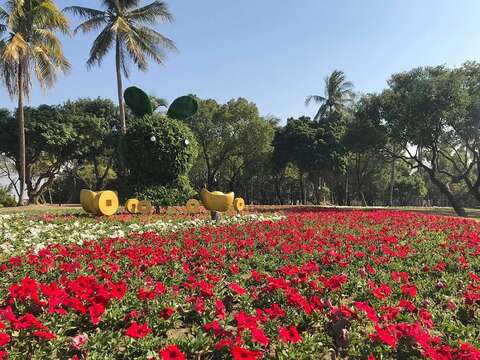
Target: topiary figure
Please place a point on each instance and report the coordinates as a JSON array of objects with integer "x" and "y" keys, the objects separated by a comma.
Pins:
[{"x": 158, "y": 149}]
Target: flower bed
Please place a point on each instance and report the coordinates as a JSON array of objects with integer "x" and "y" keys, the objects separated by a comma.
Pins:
[
  {"x": 19, "y": 233},
  {"x": 322, "y": 285}
]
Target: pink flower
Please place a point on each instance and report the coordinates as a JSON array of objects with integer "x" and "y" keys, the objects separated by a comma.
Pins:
[{"x": 79, "y": 340}]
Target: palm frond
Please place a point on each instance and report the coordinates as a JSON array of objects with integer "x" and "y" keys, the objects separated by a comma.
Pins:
[
  {"x": 101, "y": 45},
  {"x": 153, "y": 39},
  {"x": 48, "y": 15},
  {"x": 84, "y": 12},
  {"x": 3, "y": 15},
  {"x": 316, "y": 98},
  {"x": 134, "y": 48},
  {"x": 151, "y": 13},
  {"x": 91, "y": 24}
]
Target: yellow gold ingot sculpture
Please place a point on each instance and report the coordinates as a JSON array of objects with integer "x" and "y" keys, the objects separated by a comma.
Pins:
[
  {"x": 145, "y": 207},
  {"x": 101, "y": 203},
  {"x": 192, "y": 205},
  {"x": 132, "y": 206},
  {"x": 86, "y": 199},
  {"x": 239, "y": 204},
  {"x": 106, "y": 203},
  {"x": 216, "y": 200}
]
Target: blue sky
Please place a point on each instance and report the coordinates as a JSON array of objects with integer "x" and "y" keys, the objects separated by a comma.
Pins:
[{"x": 276, "y": 52}]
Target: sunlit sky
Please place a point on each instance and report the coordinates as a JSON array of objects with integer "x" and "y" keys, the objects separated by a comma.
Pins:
[{"x": 275, "y": 53}]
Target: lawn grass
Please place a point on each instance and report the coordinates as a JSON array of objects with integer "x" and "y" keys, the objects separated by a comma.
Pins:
[{"x": 473, "y": 213}]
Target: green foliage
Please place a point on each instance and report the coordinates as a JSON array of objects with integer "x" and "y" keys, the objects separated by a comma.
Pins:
[
  {"x": 138, "y": 101},
  {"x": 232, "y": 137},
  {"x": 163, "y": 196},
  {"x": 183, "y": 107},
  {"x": 77, "y": 133},
  {"x": 158, "y": 150},
  {"x": 312, "y": 145},
  {"x": 6, "y": 198}
]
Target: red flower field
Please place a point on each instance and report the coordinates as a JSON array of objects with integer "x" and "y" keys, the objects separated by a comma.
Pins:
[{"x": 318, "y": 284}]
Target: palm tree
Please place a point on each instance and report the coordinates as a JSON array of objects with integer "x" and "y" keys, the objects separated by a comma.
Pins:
[
  {"x": 124, "y": 26},
  {"x": 28, "y": 44},
  {"x": 338, "y": 95}
]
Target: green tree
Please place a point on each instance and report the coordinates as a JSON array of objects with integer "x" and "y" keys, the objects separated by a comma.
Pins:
[
  {"x": 124, "y": 26},
  {"x": 338, "y": 95},
  {"x": 55, "y": 137},
  {"x": 364, "y": 140},
  {"x": 229, "y": 135},
  {"x": 96, "y": 162},
  {"x": 419, "y": 110},
  {"x": 30, "y": 46}
]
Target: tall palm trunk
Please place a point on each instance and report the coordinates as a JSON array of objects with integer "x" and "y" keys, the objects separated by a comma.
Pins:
[
  {"x": 21, "y": 134},
  {"x": 123, "y": 123}
]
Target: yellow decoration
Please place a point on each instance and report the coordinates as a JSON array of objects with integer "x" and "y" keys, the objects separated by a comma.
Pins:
[
  {"x": 239, "y": 204},
  {"x": 216, "y": 200},
  {"x": 106, "y": 203},
  {"x": 192, "y": 206},
  {"x": 132, "y": 206},
  {"x": 86, "y": 199},
  {"x": 145, "y": 207}
]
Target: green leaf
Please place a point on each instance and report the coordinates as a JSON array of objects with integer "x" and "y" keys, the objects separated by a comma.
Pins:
[
  {"x": 183, "y": 107},
  {"x": 138, "y": 101}
]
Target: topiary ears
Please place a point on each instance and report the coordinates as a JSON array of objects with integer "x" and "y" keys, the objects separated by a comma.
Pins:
[
  {"x": 138, "y": 101},
  {"x": 183, "y": 107}
]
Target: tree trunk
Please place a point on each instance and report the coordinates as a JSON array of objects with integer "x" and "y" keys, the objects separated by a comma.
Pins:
[
  {"x": 347, "y": 201},
  {"x": 302, "y": 189},
  {"x": 277, "y": 191},
  {"x": 121, "y": 105},
  {"x": 21, "y": 134},
  {"x": 392, "y": 181},
  {"x": 448, "y": 194}
]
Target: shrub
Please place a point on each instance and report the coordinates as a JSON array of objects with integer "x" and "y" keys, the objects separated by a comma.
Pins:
[
  {"x": 158, "y": 150},
  {"x": 163, "y": 196},
  {"x": 6, "y": 199}
]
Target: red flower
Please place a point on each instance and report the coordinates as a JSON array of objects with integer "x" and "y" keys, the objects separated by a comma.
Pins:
[
  {"x": 167, "y": 313},
  {"x": 389, "y": 335},
  {"x": 289, "y": 335},
  {"x": 409, "y": 290},
  {"x": 368, "y": 310},
  {"x": 96, "y": 311},
  {"x": 172, "y": 352},
  {"x": 119, "y": 290},
  {"x": 4, "y": 339},
  {"x": 259, "y": 336},
  {"x": 237, "y": 289},
  {"x": 220, "y": 309},
  {"x": 239, "y": 353},
  {"x": 47, "y": 335},
  {"x": 381, "y": 292},
  {"x": 137, "y": 331}
]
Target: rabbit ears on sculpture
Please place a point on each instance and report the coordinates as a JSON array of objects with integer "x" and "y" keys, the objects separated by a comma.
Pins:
[{"x": 139, "y": 102}]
